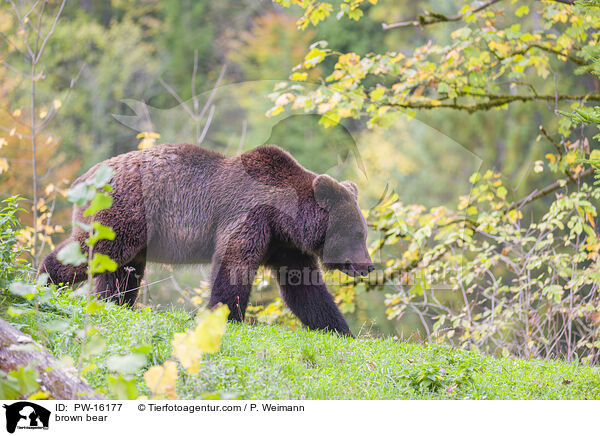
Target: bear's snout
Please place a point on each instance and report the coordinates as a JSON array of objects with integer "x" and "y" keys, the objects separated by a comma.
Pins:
[
  {"x": 352, "y": 268},
  {"x": 361, "y": 269}
]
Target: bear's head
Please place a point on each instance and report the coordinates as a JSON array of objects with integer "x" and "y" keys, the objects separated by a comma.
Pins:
[{"x": 344, "y": 243}]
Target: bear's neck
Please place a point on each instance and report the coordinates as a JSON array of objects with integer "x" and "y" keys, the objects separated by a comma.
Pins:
[{"x": 306, "y": 230}]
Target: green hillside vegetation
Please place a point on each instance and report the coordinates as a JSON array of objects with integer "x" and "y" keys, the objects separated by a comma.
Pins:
[{"x": 271, "y": 362}]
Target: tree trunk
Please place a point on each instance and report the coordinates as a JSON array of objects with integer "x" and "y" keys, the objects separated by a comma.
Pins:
[{"x": 19, "y": 349}]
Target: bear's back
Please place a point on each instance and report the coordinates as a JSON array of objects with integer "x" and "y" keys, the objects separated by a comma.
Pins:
[{"x": 275, "y": 167}]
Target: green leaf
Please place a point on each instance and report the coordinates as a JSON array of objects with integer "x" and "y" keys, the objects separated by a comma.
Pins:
[
  {"x": 56, "y": 325},
  {"x": 82, "y": 291},
  {"x": 377, "y": 93},
  {"x": 85, "y": 227},
  {"x": 70, "y": 254},
  {"x": 462, "y": 33},
  {"x": 126, "y": 365},
  {"x": 554, "y": 292},
  {"x": 475, "y": 178},
  {"x": 103, "y": 175},
  {"x": 15, "y": 312},
  {"x": 100, "y": 232},
  {"x": 94, "y": 306},
  {"x": 23, "y": 290},
  {"x": 122, "y": 388},
  {"x": 9, "y": 388},
  {"x": 102, "y": 263},
  {"x": 101, "y": 201},
  {"x": 42, "y": 279},
  {"x": 143, "y": 348},
  {"x": 472, "y": 210},
  {"x": 80, "y": 194},
  {"x": 94, "y": 345},
  {"x": 26, "y": 378},
  {"x": 87, "y": 368},
  {"x": 502, "y": 192},
  {"x": 329, "y": 119}
]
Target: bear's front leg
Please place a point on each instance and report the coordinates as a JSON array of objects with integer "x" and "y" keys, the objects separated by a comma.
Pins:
[
  {"x": 303, "y": 289},
  {"x": 235, "y": 262}
]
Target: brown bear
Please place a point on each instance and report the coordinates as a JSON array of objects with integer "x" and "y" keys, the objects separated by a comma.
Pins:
[{"x": 182, "y": 204}]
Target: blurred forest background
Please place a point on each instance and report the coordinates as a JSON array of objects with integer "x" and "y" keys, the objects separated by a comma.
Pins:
[{"x": 92, "y": 79}]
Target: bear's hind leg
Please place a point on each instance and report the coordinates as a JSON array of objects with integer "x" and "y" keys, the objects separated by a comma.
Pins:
[
  {"x": 122, "y": 285},
  {"x": 303, "y": 290},
  {"x": 63, "y": 273},
  {"x": 235, "y": 263}
]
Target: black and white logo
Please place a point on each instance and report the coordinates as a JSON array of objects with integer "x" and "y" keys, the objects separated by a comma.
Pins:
[{"x": 26, "y": 415}]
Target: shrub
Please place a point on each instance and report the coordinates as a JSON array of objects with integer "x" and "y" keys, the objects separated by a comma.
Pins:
[{"x": 10, "y": 267}]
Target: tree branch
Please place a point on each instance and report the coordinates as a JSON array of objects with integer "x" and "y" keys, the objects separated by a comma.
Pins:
[
  {"x": 50, "y": 32},
  {"x": 428, "y": 17},
  {"x": 535, "y": 195},
  {"x": 494, "y": 101}
]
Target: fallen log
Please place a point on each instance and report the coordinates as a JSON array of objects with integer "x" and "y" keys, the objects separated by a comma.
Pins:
[{"x": 18, "y": 349}]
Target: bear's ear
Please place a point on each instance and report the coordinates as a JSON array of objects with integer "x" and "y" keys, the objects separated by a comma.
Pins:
[
  {"x": 351, "y": 187},
  {"x": 327, "y": 189}
]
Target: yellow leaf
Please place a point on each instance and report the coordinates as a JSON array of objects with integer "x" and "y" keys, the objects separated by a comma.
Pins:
[
  {"x": 515, "y": 214},
  {"x": 284, "y": 99},
  {"x": 39, "y": 395},
  {"x": 206, "y": 337},
  {"x": 148, "y": 139},
  {"x": 523, "y": 10},
  {"x": 274, "y": 111},
  {"x": 210, "y": 329},
  {"x": 146, "y": 143},
  {"x": 3, "y": 165},
  {"x": 299, "y": 77},
  {"x": 43, "y": 113},
  {"x": 570, "y": 158},
  {"x": 16, "y": 113},
  {"x": 347, "y": 58},
  {"x": 161, "y": 379},
  {"x": 3, "y": 142},
  {"x": 186, "y": 352},
  {"x": 345, "y": 112},
  {"x": 153, "y": 135},
  {"x": 313, "y": 57},
  {"x": 56, "y": 103}
]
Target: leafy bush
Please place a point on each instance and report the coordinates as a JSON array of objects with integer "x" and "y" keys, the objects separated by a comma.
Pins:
[
  {"x": 528, "y": 288},
  {"x": 10, "y": 267}
]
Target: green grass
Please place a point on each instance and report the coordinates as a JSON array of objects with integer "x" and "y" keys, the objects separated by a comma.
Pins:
[{"x": 270, "y": 362}]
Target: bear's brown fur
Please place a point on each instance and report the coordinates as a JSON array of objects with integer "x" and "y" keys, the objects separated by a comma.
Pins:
[{"x": 184, "y": 204}]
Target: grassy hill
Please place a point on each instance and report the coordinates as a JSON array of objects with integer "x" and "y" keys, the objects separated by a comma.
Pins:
[{"x": 269, "y": 362}]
